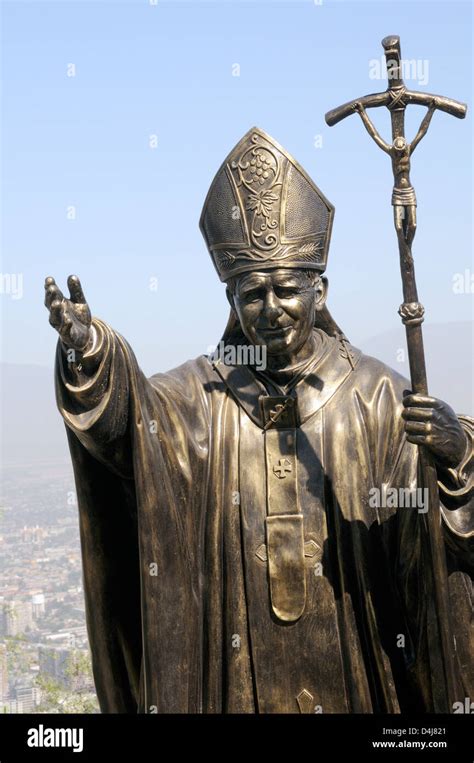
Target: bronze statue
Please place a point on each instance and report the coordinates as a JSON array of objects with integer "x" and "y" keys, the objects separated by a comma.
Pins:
[{"x": 240, "y": 552}]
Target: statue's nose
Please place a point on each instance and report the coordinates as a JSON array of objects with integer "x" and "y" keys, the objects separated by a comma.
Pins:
[{"x": 272, "y": 309}]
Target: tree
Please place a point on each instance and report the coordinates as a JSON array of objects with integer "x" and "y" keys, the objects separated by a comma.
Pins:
[{"x": 72, "y": 695}]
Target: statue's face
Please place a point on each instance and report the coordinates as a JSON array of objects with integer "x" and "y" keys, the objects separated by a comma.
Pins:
[{"x": 276, "y": 308}]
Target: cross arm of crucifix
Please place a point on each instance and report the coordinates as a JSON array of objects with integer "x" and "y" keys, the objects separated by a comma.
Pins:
[
  {"x": 396, "y": 98},
  {"x": 404, "y": 98}
]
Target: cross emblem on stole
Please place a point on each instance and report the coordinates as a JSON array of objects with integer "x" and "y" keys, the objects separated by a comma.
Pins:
[{"x": 282, "y": 467}]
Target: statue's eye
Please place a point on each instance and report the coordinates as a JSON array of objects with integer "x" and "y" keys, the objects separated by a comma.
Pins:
[
  {"x": 286, "y": 292},
  {"x": 251, "y": 296}
]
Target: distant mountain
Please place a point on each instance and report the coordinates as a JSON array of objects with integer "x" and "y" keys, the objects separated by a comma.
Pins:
[
  {"x": 449, "y": 359},
  {"x": 33, "y": 431}
]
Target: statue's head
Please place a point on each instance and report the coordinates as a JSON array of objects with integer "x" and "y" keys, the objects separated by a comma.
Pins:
[
  {"x": 277, "y": 308},
  {"x": 267, "y": 227}
]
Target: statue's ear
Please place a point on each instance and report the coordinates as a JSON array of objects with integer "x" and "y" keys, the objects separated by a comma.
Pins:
[
  {"x": 321, "y": 288},
  {"x": 323, "y": 318}
]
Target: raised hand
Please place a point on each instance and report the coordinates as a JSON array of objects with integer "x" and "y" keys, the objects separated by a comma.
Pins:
[{"x": 70, "y": 317}]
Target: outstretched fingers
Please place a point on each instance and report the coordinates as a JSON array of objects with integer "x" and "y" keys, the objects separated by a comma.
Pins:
[
  {"x": 56, "y": 312},
  {"x": 52, "y": 292},
  {"x": 75, "y": 290}
]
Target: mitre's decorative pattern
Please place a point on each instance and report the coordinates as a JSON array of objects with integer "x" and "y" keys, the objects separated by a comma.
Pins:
[{"x": 263, "y": 211}]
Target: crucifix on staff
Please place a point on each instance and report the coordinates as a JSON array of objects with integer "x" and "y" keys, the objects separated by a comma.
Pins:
[
  {"x": 400, "y": 151},
  {"x": 396, "y": 98}
]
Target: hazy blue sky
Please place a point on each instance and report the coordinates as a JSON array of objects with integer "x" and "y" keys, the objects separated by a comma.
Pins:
[{"x": 166, "y": 69}]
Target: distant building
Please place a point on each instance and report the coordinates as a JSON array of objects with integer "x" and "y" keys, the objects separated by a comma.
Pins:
[
  {"x": 61, "y": 664},
  {"x": 3, "y": 673},
  {"x": 29, "y": 697},
  {"x": 38, "y": 605},
  {"x": 12, "y": 706},
  {"x": 58, "y": 663},
  {"x": 32, "y": 534},
  {"x": 55, "y": 663},
  {"x": 17, "y": 617},
  {"x": 63, "y": 639}
]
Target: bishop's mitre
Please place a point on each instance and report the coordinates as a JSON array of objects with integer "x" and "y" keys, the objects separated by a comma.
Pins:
[{"x": 263, "y": 211}]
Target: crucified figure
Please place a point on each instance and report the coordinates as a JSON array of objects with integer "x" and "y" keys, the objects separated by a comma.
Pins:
[{"x": 400, "y": 151}]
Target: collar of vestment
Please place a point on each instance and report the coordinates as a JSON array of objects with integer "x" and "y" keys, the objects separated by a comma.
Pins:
[{"x": 334, "y": 361}]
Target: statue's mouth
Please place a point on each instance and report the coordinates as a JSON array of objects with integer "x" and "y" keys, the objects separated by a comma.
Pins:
[{"x": 276, "y": 330}]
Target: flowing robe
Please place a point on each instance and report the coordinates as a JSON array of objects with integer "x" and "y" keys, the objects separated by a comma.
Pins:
[{"x": 172, "y": 486}]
